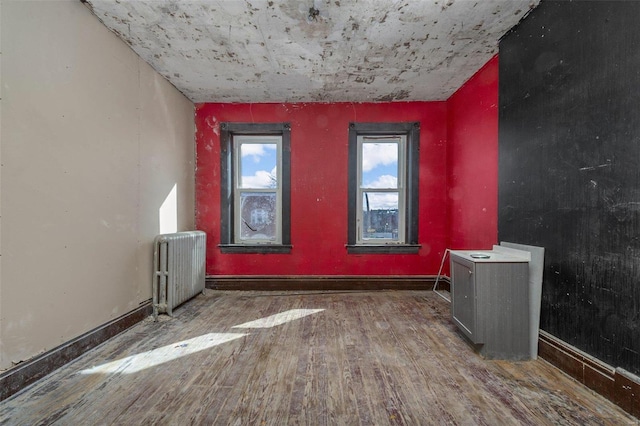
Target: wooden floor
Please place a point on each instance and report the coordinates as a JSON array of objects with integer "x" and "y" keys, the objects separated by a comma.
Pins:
[{"x": 247, "y": 358}]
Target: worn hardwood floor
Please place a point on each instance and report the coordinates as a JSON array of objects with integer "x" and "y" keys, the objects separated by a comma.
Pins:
[{"x": 342, "y": 358}]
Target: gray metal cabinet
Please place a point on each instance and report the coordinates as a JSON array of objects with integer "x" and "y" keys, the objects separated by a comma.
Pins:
[{"x": 490, "y": 303}]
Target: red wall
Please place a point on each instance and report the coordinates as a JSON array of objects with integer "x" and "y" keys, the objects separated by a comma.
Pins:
[
  {"x": 319, "y": 141},
  {"x": 472, "y": 161},
  {"x": 458, "y": 180}
]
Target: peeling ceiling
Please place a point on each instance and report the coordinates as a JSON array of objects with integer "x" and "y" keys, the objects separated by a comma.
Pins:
[{"x": 313, "y": 51}]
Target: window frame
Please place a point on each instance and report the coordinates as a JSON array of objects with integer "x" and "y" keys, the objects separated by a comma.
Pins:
[
  {"x": 399, "y": 189},
  {"x": 238, "y": 142},
  {"x": 230, "y": 242},
  {"x": 408, "y": 175}
]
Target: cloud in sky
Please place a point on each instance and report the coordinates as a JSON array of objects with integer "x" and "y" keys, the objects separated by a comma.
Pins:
[
  {"x": 382, "y": 201},
  {"x": 383, "y": 181},
  {"x": 375, "y": 154},
  {"x": 261, "y": 179},
  {"x": 256, "y": 150}
]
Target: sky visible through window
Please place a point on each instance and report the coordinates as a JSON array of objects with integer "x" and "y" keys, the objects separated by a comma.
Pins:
[
  {"x": 258, "y": 165},
  {"x": 380, "y": 170}
]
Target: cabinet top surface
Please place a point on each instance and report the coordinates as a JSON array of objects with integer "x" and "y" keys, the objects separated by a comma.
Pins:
[{"x": 489, "y": 256}]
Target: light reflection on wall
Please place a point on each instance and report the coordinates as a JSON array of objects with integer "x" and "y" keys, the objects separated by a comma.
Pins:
[{"x": 168, "y": 213}]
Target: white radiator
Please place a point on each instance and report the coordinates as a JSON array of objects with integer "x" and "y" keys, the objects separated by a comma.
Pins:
[{"x": 178, "y": 269}]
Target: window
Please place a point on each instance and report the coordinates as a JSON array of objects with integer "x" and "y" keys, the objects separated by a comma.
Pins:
[
  {"x": 254, "y": 185},
  {"x": 383, "y": 187}
]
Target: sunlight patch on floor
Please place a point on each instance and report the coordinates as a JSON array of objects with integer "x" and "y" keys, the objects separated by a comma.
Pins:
[
  {"x": 279, "y": 319},
  {"x": 155, "y": 357}
]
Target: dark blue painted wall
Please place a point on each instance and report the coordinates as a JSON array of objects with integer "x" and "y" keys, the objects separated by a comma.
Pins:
[{"x": 569, "y": 167}]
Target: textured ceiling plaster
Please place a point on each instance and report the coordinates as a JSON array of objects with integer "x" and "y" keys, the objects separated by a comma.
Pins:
[{"x": 356, "y": 51}]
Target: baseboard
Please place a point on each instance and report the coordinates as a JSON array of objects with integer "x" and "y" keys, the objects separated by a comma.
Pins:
[
  {"x": 324, "y": 283},
  {"x": 26, "y": 373},
  {"x": 615, "y": 384}
]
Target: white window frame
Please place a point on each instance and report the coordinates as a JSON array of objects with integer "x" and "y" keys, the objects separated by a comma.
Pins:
[
  {"x": 401, "y": 141},
  {"x": 238, "y": 141}
]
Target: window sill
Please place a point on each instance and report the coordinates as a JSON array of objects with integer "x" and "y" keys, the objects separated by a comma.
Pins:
[
  {"x": 255, "y": 248},
  {"x": 383, "y": 249}
]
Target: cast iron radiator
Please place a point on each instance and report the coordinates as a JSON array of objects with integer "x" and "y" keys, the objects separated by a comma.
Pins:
[{"x": 178, "y": 269}]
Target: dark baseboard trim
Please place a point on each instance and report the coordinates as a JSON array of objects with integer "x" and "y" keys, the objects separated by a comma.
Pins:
[
  {"x": 26, "y": 373},
  {"x": 616, "y": 384},
  {"x": 324, "y": 283}
]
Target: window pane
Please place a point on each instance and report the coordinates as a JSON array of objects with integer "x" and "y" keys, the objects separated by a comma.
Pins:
[
  {"x": 258, "y": 216},
  {"x": 379, "y": 165},
  {"x": 258, "y": 165},
  {"x": 380, "y": 215}
]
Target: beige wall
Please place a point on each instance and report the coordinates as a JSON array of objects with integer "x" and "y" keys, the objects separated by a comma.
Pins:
[{"x": 92, "y": 142}]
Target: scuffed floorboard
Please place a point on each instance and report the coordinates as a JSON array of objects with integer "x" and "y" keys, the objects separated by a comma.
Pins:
[{"x": 342, "y": 358}]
